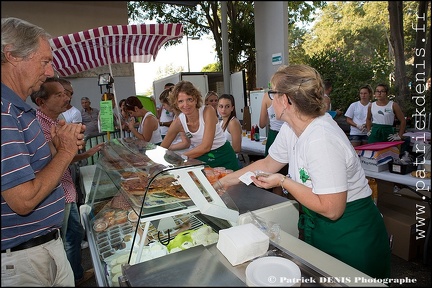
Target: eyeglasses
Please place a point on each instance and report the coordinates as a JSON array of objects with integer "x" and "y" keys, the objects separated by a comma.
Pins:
[
  {"x": 271, "y": 94},
  {"x": 70, "y": 92},
  {"x": 380, "y": 91}
]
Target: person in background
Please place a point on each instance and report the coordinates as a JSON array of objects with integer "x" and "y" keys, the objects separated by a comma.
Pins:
[
  {"x": 148, "y": 129},
  {"x": 72, "y": 114},
  {"x": 212, "y": 99},
  {"x": 200, "y": 124},
  {"x": 339, "y": 216},
  {"x": 125, "y": 118},
  {"x": 89, "y": 117},
  {"x": 356, "y": 117},
  {"x": 181, "y": 143},
  {"x": 229, "y": 123},
  {"x": 381, "y": 115},
  {"x": 328, "y": 87},
  {"x": 268, "y": 117},
  {"x": 52, "y": 100},
  {"x": 165, "y": 116},
  {"x": 32, "y": 198}
]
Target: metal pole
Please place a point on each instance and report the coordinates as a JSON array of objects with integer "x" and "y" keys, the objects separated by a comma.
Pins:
[{"x": 187, "y": 50}]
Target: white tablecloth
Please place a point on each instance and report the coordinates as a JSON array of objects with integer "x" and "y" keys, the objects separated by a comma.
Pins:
[
  {"x": 253, "y": 147},
  {"x": 406, "y": 179}
]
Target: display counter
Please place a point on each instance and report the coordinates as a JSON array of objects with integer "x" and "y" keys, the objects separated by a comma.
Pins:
[{"x": 206, "y": 266}]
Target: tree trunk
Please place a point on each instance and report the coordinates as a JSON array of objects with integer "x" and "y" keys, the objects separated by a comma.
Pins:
[{"x": 395, "y": 9}]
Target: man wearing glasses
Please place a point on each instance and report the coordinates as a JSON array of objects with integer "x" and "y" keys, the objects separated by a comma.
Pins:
[
  {"x": 381, "y": 116},
  {"x": 72, "y": 114}
]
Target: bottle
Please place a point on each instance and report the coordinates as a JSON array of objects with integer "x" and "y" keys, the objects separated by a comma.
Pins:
[
  {"x": 257, "y": 133},
  {"x": 252, "y": 133}
]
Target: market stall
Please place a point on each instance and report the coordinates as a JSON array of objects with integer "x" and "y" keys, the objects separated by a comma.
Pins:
[{"x": 135, "y": 227}]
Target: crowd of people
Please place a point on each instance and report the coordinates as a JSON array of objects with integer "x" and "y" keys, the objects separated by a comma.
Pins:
[{"x": 39, "y": 197}]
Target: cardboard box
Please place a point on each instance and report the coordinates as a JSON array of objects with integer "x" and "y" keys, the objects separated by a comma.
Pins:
[
  {"x": 372, "y": 164},
  {"x": 407, "y": 220}
]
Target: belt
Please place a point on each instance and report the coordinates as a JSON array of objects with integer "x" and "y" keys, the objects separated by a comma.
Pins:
[{"x": 35, "y": 241}]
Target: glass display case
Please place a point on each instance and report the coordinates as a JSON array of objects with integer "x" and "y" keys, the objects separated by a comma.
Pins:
[{"x": 146, "y": 202}]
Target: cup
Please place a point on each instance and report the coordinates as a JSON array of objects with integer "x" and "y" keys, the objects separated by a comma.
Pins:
[
  {"x": 244, "y": 133},
  {"x": 212, "y": 176}
]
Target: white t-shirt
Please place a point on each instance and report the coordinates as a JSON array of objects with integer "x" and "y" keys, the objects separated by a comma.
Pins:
[
  {"x": 72, "y": 115},
  {"x": 358, "y": 113},
  {"x": 156, "y": 136},
  {"x": 165, "y": 116},
  {"x": 324, "y": 153},
  {"x": 383, "y": 115},
  {"x": 275, "y": 124},
  {"x": 196, "y": 137}
]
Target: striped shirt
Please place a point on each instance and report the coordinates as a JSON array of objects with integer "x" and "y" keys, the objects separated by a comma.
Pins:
[
  {"x": 66, "y": 179},
  {"x": 24, "y": 152}
]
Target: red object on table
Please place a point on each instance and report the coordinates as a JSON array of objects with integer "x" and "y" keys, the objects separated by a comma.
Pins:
[{"x": 378, "y": 145}]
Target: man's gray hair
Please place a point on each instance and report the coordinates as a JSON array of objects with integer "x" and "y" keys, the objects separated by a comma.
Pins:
[{"x": 20, "y": 37}]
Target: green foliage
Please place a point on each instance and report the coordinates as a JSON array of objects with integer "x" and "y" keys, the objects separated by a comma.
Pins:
[{"x": 347, "y": 74}]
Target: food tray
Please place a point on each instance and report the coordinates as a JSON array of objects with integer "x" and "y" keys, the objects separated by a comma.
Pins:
[{"x": 115, "y": 239}]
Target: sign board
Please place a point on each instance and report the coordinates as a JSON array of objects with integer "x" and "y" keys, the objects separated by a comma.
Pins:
[
  {"x": 106, "y": 116},
  {"x": 277, "y": 59}
]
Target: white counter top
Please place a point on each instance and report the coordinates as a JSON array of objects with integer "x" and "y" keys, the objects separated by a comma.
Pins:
[{"x": 406, "y": 179}]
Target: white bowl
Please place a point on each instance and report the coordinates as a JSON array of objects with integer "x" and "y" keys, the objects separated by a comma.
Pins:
[{"x": 273, "y": 271}]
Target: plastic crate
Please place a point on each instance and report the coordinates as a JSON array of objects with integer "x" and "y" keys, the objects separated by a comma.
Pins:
[{"x": 401, "y": 168}]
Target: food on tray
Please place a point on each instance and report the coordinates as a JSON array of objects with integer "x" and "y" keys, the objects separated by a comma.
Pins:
[
  {"x": 100, "y": 225},
  {"x": 421, "y": 174},
  {"x": 119, "y": 202},
  {"x": 134, "y": 174},
  {"x": 132, "y": 216},
  {"x": 176, "y": 191},
  {"x": 121, "y": 216}
]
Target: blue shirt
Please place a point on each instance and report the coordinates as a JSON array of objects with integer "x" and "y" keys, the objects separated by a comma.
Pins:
[{"x": 24, "y": 152}]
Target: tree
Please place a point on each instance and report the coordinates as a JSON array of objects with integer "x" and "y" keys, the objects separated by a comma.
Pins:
[
  {"x": 395, "y": 9},
  {"x": 204, "y": 18}
]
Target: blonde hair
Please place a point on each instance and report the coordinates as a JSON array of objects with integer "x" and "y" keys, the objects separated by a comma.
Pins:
[{"x": 304, "y": 86}]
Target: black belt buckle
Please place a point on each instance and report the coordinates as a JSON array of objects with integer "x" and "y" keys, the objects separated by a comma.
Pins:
[{"x": 55, "y": 234}]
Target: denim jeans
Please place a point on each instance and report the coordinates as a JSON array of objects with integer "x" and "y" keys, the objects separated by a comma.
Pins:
[{"x": 73, "y": 238}]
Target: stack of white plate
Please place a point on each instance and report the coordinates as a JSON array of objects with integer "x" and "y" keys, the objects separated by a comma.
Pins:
[{"x": 273, "y": 271}]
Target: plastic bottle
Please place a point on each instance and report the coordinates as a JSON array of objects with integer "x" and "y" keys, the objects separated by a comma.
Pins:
[
  {"x": 257, "y": 133},
  {"x": 252, "y": 133}
]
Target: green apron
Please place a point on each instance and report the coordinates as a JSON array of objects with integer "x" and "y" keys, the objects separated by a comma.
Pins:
[
  {"x": 270, "y": 139},
  {"x": 380, "y": 133},
  {"x": 223, "y": 156},
  {"x": 359, "y": 238}
]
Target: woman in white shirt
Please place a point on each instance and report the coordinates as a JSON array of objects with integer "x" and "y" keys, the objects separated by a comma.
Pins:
[
  {"x": 148, "y": 129},
  {"x": 325, "y": 175},
  {"x": 200, "y": 123}
]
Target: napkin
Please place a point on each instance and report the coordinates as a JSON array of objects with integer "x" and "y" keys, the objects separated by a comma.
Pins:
[{"x": 242, "y": 243}]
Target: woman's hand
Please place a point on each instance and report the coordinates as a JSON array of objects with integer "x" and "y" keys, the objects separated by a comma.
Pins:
[{"x": 267, "y": 181}]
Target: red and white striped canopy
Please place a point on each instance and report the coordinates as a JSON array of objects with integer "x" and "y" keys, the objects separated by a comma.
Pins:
[{"x": 85, "y": 50}]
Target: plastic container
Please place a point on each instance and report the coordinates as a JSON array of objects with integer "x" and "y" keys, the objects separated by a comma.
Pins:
[{"x": 401, "y": 168}]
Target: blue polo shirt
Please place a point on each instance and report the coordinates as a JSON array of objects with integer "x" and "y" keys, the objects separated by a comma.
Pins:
[{"x": 24, "y": 152}]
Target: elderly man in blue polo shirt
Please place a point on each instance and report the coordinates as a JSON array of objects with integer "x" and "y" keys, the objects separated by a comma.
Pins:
[{"x": 32, "y": 199}]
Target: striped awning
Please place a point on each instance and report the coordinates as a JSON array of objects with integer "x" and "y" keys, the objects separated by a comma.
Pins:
[{"x": 85, "y": 50}]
